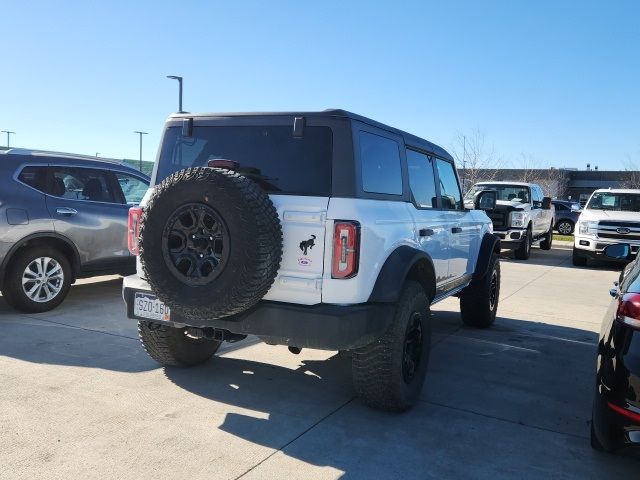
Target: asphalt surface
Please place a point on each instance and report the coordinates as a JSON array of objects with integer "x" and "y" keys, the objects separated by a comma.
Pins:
[{"x": 80, "y": 399}]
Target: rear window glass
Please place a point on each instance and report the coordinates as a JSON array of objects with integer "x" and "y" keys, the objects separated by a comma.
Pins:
[
  {"x": 281, "y": 162},
  {"x": 35, "y": 177},
  {"x": 380, "y": 159}
]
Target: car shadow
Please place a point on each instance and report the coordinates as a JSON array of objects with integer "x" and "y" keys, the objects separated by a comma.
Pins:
[
  {"x": 521, "y": 388},
  {"x": 89, "y": 329}
]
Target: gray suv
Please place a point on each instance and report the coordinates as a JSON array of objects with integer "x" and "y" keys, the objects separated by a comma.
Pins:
[{"x": 62, "y": 217}]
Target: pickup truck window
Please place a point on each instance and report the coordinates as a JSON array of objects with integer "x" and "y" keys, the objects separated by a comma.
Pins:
[
  {"x": 626, "y": 202},
  {"x": 508, "y": 193}
]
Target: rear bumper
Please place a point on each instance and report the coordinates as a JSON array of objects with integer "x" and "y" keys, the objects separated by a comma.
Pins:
[{"x": 322, "y": 326}]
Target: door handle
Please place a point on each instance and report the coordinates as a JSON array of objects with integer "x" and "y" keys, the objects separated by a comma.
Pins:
[
  {"x": 425, "y": 232},
  {"x": 66, "y": 211},
  {"x": 456, "y": 230}
]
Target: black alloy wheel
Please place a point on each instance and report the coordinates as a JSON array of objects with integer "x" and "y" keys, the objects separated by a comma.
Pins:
[{"x": 195, "y": 244}]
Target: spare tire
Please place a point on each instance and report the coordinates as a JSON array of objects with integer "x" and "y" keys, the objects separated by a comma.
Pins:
[{"x": 210, "y": 243}]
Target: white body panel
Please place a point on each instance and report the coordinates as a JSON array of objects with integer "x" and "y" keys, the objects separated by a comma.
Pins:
[
  {"x": 305, "y": 277},
  {"x": 299, "y": 279}
]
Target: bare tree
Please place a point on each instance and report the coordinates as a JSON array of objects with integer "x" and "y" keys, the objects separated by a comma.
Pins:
[
  {"x": 527, "y": 167},
  {"x": 553, "y": 181},
  {"x": 632, "y": 176},
  {"x": 475, "y": 159}
]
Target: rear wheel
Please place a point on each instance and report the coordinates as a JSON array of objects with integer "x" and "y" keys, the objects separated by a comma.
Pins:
[
  {"x": 479, "y": 301},
  {"x": 37, "y": 280},
  {"x": 565, "y": 227},
  {"x": 545, "y": 244},
  {"x": 174, "y": 346},
  {"x": 524, "y": 249},
  {"x": 579, "y": 260},
  {"x": 388, "y": 374}
]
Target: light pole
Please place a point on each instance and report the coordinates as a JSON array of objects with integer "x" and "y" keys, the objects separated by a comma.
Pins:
[
  {"x": 8, "y": 132},
  {"x": 179, "y": 79},
  {"x": 140, "y": 133}
]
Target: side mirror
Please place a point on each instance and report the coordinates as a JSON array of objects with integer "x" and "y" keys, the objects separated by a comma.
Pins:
[
  {"x": 486, "y": 200},
  {"x": 618, "y": 251},
  {"x": 546, "y": 203}
]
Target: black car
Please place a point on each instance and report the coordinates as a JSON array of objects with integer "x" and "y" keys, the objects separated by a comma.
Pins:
[{"x": 616, "y": 409}]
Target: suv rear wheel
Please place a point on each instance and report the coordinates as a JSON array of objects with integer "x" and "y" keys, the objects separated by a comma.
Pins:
[
  {"x": 479, "y": 301},
  {"x": 173, "y": 346},
  {"x": 37, "y": 280},
  {"x": 388, "y": 374}
]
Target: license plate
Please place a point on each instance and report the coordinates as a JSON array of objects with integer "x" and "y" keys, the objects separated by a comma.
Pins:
[{"x": 147, "y": 305}]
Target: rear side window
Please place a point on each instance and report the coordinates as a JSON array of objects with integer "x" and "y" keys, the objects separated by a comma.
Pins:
[
  {"x": 81, "y": 184},
  {"x": 380, "y": 161},
  {"x": 449, "y": 188},
  {"x": 278, "y": 161},
  {"x": 35, "y": 177},
  {"x": 421, "y": 181}
]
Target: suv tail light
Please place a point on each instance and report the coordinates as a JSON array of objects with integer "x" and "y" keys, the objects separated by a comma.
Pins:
[
  {"x": 629, "y": 310},
  {"x": 133, "y": 229},
  {"x": 346, "y": 246}
]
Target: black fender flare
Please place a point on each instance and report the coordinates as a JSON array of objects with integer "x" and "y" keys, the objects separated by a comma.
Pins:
[
  {"x": 75, "y": 261},
  {"x": 490, "y": 245},
  {"x": 394, "y": 272}
]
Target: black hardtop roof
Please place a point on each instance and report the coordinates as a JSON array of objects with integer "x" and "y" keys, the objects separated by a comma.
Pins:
[{"x": 410, "y": 139}]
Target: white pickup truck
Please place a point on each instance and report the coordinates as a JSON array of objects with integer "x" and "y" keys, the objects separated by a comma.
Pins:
[
  {"x": 611, "y": 216},
  {"x": 522, "y": 216}
]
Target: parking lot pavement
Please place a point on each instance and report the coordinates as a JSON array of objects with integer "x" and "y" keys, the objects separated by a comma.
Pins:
[{"x": 81, "y": 399}]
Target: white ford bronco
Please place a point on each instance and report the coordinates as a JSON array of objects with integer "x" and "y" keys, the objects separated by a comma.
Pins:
[
  {"x": 321, "y": 230},
  {"x": 611, "y": 216},
  {"x": 521, "y": 217}
]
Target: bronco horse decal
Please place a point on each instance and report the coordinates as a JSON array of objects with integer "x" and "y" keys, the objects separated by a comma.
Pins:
[{"x": 307, "y": 244}]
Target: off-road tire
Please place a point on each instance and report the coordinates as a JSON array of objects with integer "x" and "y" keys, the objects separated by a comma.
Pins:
[
  {"x": 12, "y": 290},
  {"x": 378, "y": 375},
  {"x": 546, "y": 243},
  {"x": 250, "y": 222},
  {"x": 524, "y": 249},
  {"x": 578, "y": 259},
  {"x": 172, "y": 347},
  {"x": 479, "y": 301},
  {"x": 566, "y": 225}
]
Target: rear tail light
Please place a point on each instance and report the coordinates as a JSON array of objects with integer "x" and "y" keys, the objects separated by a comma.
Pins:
[
  {"x": 133, "y": 229},
  {"x": 629, "y": 310},
  {"x": 346, "y": 246}
]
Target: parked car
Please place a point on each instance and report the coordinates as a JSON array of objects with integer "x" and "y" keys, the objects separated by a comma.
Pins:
[
  {"x": 567, "y": 214},
  {"x": 615, "y": 424},
  {"x": 611, "y": 216},
  {"x": 322, "y": 230},
  {"x": 62, "y": 217},
  {"x": 522, "y": 215}
]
